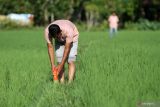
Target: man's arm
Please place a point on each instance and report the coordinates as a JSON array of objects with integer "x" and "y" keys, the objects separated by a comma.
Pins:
[
  {"x": 49, "y": 47},
  {"x": 65, "y": 55},
  {"x": 51, "y": 54}
]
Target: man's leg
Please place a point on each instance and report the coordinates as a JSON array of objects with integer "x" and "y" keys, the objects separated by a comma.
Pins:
[
  {"x": 111, "y": 32},
  {"x": 61, "y": 76},
  {"x": 71, "y": 71},
  {"x": 71, "y": 62},
  {"x": 116, "y": 31}
]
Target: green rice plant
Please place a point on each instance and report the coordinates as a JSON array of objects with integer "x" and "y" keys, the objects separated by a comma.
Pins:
[{"x": 117, "y": 72}]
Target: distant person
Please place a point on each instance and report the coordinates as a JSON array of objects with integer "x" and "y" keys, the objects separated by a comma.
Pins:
[
  {"x": 64, "y": 48},
  {"x": 113, "y": 24}
]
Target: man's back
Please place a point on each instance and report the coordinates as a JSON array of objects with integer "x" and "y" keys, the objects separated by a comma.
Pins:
[{"x": 68, "y": 28}]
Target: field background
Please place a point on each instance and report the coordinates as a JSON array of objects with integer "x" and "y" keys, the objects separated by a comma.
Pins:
[{"x": 119, "y": 72}]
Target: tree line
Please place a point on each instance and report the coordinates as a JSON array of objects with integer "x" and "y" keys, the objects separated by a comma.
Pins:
[{"x": 91, "y": 12}]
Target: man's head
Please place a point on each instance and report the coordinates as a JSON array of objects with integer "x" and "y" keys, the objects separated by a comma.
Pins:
[
  {"x": 113, "y": 13},
  {"x": 54, "y": 30}
]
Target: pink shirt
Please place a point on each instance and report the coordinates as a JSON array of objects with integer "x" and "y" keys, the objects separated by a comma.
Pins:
[
  {"x": 69, "y": 30},
  {"x": 113, "y": 21}
]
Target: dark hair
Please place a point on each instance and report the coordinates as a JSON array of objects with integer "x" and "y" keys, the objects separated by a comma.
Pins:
[{"x": 54, "y": 29}]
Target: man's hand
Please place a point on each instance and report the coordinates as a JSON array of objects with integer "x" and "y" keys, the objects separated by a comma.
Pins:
[
  {"x": 53, "y": 66},
  {"x": 59, "y": 68}
]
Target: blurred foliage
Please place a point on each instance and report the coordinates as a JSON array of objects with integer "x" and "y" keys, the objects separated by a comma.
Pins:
[
  {"x": 143, "y": 24},
  {"x": 103, "y": 26},
  {"x": 147, "y": 25},
  {"x": 9, "y": 24},
  {"x": 92, "y": 12}
]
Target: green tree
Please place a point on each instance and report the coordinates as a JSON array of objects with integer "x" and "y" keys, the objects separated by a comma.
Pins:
[
  {"x": 56, "y": 9},
  {"x": 12, "y": 6},
  {"x": 92, "y": 14}
]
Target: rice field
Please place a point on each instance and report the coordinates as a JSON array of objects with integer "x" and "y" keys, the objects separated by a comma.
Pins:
[{"x": 120, "y": 72}]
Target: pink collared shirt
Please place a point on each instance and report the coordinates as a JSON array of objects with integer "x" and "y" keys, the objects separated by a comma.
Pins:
[
  {"x": 69, "y": 30},
  {"x": 113, "y": 21}
]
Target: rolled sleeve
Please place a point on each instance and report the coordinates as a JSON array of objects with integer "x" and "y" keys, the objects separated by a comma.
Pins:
[{"x": 69, "y": 39}]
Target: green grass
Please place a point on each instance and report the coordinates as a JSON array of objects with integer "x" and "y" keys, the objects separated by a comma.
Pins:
[{"x": 117, "y": 72}]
